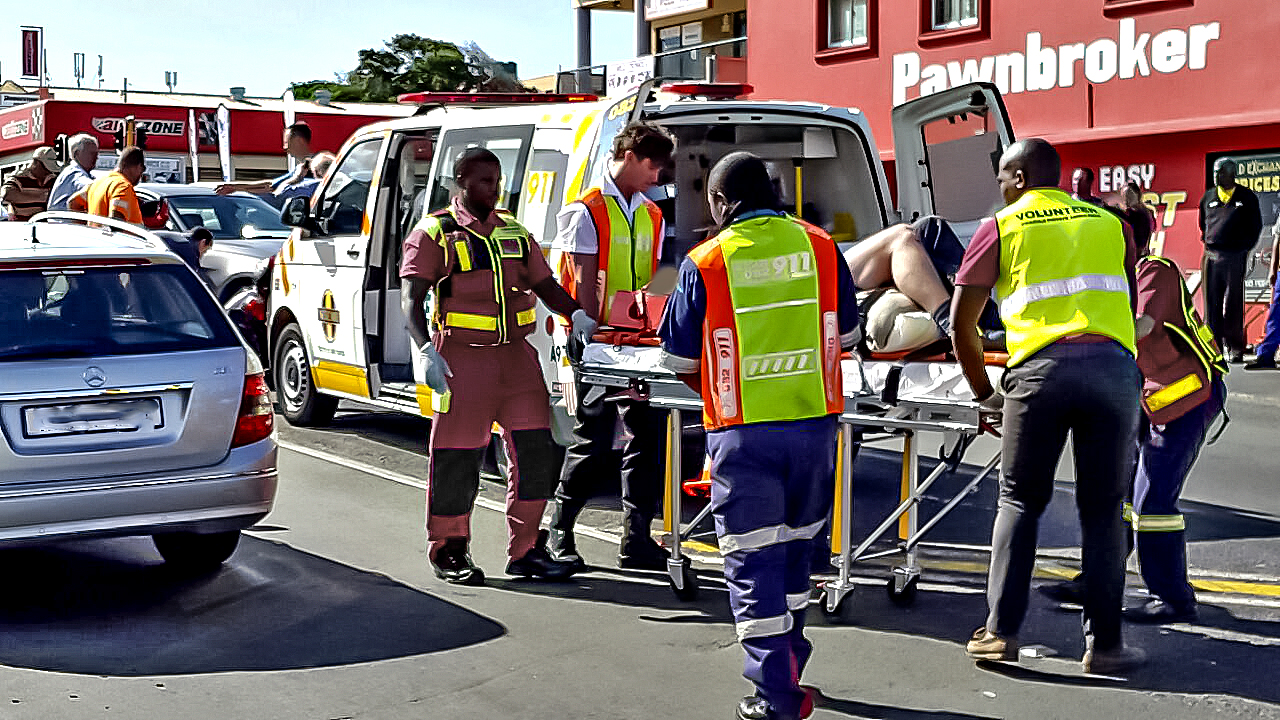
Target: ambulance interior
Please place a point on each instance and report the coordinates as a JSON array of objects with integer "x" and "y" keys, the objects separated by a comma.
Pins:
[{"x": 824, "y": 174}]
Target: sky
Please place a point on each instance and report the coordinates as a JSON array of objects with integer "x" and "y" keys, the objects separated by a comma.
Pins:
[{"x": 264, "y": 45}]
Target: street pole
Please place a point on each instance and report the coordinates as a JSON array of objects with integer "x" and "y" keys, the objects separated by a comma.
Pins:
[
  {"x": 643, "y": 43},
  {"x": 582, "y": 25}
]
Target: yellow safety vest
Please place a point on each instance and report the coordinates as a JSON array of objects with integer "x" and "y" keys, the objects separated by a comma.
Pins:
[{"x": 1061, "y": 273}]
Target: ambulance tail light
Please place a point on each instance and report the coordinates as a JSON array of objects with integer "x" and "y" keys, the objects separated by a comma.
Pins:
[
  {"x": 712, "y": 91},
  {"x": 445, "y": 98}
]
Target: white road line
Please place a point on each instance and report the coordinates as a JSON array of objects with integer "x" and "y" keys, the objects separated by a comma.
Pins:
[
  {"x": 1229, "y": 635},
  {"x": 414, "y": 482}
]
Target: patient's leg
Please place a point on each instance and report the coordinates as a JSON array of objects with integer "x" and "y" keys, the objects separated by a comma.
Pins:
[{"x": 894, "y": 257}]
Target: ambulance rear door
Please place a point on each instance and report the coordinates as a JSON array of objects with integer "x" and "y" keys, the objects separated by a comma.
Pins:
[{"x": 947, "y": 149}]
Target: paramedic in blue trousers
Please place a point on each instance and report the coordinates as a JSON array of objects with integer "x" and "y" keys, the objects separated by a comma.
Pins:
[{"x": 758, "y": 321}]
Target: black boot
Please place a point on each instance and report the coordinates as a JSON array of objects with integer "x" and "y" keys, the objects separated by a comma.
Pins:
[
  {"x": 561, "y": 544},
  {"x": 453, "y": 564},
  {"x": 639, "y": 551},
  {"x": 538, "y": 563}
]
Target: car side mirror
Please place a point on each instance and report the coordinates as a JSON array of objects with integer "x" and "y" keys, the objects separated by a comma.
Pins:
[{"x": 296, "y": 212}]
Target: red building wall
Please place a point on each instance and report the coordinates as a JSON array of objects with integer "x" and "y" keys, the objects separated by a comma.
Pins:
[{"x": 1108, "y": 101}]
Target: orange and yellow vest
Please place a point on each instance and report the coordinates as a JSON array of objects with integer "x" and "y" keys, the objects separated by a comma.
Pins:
[
  {"x": 628, "y": 254},
  {"x": 771, "y": 336},
  {"x": 1062, "y": 273}
]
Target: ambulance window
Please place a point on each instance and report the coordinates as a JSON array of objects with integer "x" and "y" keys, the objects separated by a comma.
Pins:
[
  {"x": 963, "y": 153},
  {"x": 510, "y": 144},
  {"x": 544, "y": 184},
  {"x": 347, "y": 193}
]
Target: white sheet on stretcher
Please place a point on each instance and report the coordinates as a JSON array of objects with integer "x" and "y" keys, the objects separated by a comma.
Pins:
[{"x": 932, "y": 381}]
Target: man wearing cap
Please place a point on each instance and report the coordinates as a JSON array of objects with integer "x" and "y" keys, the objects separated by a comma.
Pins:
[{"x": 27, "y": 193}]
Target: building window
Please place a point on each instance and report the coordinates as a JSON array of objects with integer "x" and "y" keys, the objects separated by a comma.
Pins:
[
  {"x": 846, "y": 23},
  {"x": 952, "y": 14}
]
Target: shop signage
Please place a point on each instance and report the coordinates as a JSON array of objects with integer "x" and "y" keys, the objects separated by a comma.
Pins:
[
  {"x": 654, "y": 9},
  {"x": 15, "y": 129},
  {"x": 109, "y": 125},
  {"x": 627, "y": 75},
  {"x": 1040, "y": 67}
]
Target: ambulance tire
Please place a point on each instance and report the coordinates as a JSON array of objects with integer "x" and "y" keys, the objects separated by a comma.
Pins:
[{"x": 300, "y": 403}]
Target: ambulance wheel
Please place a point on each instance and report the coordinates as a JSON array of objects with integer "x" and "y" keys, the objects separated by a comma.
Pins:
[
  {"x": 689, "y": 592},
  {"x": 841, "y": 614},
  {"x": 904, "y": 597},
  {"x": 295, "y": 387}
]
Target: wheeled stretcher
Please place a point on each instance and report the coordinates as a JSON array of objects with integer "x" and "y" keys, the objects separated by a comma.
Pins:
[{"x": 897, "y": 398}]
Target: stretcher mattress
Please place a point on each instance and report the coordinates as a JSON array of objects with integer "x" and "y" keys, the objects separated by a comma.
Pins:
[{"x": 924, "y": 381}]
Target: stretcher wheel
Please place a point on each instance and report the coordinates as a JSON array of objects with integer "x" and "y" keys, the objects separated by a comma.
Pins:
[
  {"x": 904, "y": 597},
  {"x": 689, "y": 592},
  {"x": 844, "y": 608}
]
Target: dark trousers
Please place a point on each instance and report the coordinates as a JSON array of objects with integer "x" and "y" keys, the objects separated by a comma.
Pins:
[
  {"x": 1092, "y": 391},
  {"x": 1224, "y": 297},
  {"x": 1271, "y": 340},
  {"x": 772, "y": 485},
  {"x": 1166, "y": 454},
  {"x": 590, "y": 462}
]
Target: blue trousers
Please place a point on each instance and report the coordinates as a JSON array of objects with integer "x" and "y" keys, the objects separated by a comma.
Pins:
[
  {"x": 1271, "y": 340},
  {"x": 772, "y": 486},
  {"x": 1166, "y": 454}
]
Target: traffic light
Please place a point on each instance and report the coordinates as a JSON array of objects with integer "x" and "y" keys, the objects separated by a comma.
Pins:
[
  {"x": 140, "y": 137},
  {"x": 60, "y": 149},
  {"x": 119, "y": 139}
]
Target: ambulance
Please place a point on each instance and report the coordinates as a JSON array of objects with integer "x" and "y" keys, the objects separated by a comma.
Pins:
[{"x": 335, "y": 326}]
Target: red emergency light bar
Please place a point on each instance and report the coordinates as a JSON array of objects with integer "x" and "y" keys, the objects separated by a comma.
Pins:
[
  {"x": 717, "y": 91},
  {"x": 446, "y": 98}
]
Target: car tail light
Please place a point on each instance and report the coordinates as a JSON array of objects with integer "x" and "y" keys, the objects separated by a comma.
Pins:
[
  {"x": 257, "y": 417},
  {"x": 256, "y": 309}
]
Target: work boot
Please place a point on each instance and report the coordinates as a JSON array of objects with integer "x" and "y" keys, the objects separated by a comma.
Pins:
[
  {"x": 1158, "y": 612},
  {"x": 1261, "y": 364},
  {"x": 639, "y": 551},
  {"x": 561, "y": 543},
  {"x": 753, "y": 707},
  {"x": 1068, "y": 591},
  {"x": 986, "y": 645},
  {"x": 538, "y": 563},
  {"x": 1235, "y": 357},
  {"x": 1113, "y": 661},
  {"x": 453, "y": 564}
]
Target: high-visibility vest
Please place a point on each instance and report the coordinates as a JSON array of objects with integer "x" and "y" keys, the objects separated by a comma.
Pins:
[
  {"x": 503, "y": 312},
  {"x": 771, "y": 336},
  {"x": 1062, "y": 273},
  {"x": 1171, "y": 389},
  {"x": 628, "y": 249}
]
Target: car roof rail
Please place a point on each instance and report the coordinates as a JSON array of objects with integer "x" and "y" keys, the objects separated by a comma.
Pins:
[{"x": 109, "y": 226}]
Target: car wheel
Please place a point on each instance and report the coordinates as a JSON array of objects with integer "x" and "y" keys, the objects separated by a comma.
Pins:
[
  {"x": 299, "y": 402},
  {"x": 195, "y": 552}
]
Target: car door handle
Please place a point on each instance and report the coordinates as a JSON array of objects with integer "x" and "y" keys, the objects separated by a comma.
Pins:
[{"x": 353, "y": 252}]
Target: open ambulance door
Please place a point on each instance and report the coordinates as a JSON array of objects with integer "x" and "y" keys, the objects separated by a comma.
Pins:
[
  {"x": 947, "y": 149},
  {"x": 398, "y": 205}
]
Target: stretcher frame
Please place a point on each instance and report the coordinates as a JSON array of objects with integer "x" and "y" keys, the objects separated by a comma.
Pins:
[{"x": 960, "y": 421}]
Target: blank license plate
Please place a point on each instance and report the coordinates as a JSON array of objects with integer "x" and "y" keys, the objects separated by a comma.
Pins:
[{"x": 120, "y": 416}]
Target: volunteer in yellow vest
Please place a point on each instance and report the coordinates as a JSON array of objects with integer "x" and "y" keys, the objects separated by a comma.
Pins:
[
  {"x": 1183, "y": 393},
  {"x": 610, "y": 241},
  {"x": 1062, "y": 271},
  {"x": 485, "y": 271},
  {"x": 760, "y": 317}
]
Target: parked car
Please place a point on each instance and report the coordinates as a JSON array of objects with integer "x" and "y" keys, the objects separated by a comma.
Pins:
[
  {"x": 246, "y": 229},
  {"x": 129, "y": 404}
]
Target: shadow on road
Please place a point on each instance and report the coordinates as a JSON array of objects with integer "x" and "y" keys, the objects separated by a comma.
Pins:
[
  {"x": 110, "y": 608},
  {"x": 884, "y": 712}
]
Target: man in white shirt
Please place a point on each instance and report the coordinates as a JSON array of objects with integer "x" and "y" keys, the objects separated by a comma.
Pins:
[
  {"x": 76, "y": 176},
  {"x": 609, "y": 241}
]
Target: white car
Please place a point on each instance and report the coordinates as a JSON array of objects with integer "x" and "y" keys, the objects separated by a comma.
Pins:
[{"x": 129, "y": 404}]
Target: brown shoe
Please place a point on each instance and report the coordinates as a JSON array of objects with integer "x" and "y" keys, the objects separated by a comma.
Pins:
[
  {"x": 986, "y": 645},
  {"x": 1114, "y": 661}
]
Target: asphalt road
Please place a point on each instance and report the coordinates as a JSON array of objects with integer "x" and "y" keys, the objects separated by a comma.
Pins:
[{"x": 329, "y": 610}]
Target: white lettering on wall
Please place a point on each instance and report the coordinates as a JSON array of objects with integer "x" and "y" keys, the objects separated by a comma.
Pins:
[{"x": 1101, "y": 60}]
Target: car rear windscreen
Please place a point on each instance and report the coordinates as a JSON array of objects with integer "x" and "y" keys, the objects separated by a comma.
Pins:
[{"x": 86, "y": 312}]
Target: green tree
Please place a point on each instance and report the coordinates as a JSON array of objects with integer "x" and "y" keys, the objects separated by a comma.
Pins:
[{"x": 412, "y": 63}]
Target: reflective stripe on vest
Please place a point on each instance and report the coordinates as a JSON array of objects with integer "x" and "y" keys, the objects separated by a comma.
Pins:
[
  {"x": 771, "y": 336},
  {"x": 509, "y": 240},
  {"x": 1062, "y": 273},
  {"x": 628, "y": 255}
]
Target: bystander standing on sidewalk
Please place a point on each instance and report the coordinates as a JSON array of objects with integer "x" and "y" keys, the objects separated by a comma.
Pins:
[
  {"x": 1271, "y": 340},
  {"x": 1230, "y": 223}
]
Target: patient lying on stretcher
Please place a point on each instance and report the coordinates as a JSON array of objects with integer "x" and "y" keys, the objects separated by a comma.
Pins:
[{"x": 904, "y": 273}]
